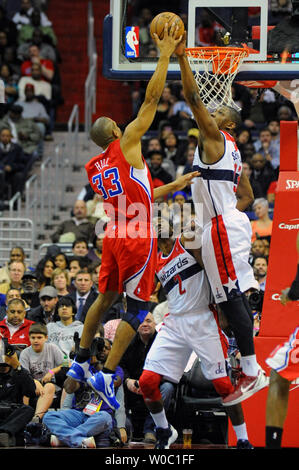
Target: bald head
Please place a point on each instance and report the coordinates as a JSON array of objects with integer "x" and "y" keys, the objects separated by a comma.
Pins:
[{"x": 104, "y": 131}]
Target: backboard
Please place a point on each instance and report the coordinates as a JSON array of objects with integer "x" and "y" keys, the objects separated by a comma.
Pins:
[{"x": 268, "y": 33}]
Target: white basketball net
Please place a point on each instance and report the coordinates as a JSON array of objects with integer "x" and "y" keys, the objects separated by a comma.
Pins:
[{"x": 220, "y": 68}]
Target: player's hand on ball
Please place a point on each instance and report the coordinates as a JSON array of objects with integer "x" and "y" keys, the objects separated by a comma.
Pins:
[
  {"x": 168, "y": 44},
  {"x": 180, "y": 49}
]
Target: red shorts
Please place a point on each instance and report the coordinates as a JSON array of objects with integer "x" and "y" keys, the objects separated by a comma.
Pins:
[
  {"x": 128, "y": 265},
  {"x": 285, "y": 358}
]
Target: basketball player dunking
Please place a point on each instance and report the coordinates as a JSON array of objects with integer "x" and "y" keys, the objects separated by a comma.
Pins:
[
  {"x": 128, "y": 265},
  {"x": 226, "y": 230}
]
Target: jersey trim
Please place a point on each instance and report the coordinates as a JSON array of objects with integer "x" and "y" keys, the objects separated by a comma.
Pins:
[{"x": 212, "y": 174}]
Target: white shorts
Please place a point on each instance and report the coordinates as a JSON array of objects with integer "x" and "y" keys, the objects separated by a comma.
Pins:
[
  {"x": 285, "y": 357},
  {"x": 178, "y": 337},
  {"x": 226, "y": 245}
]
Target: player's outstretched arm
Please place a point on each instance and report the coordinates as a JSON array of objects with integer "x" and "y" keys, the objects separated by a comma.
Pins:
[
  {"x": 131, "y": 140},
  {"x": 180, "y": 183},
  {"x": 244, "y": 193},
  {"x": 206, "y": 123}
]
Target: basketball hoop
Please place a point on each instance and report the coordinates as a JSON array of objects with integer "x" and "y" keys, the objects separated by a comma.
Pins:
[{"x": 220, "y": 65}]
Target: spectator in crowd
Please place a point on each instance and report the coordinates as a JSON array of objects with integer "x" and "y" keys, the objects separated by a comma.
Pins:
[
  {"x": 75, "y": 264},
  {"x": 61, "y": 261},
  {"x": 10, "y": 294},
  {"x": 61, "y": 332},
  {"x": 46, "y": 311},
  {"x": 44, "y": 271},
  {"x": 47, "y": 51},
  {"x": 255, "y": 185},
  {"x": 35, "y": 57},
  {"x": 158, "y": 174},
  {"x": 8, "y": 26},
  {"x": 35, "y": 19},
  {"x": 25, "y": 133},
  {"x": 15, "y": 384},
  {"x": 16, "y": 271},
  {"x": 79, "y": 426},
  {"x": 35, "y": 110},
  {"x": 80, "y": 247},
  {"x": 43, "y": 361},
  {"x": 12, "y": 166},
  {"x": 163, "y": 109},
  {"x": 4, "y": 44},
  {"x": 30, "y": 289},
  {"x": 153, "y": 144},
  {"x": 258, "y": 249},
  {"x": 22, "y": 17},
  {"x": 16, "y": 254},
  {"x": 268, "y": 148},
  {"x": 76, "y": 227},
  {"x": 43, "y": 89},
  {"x": 173, "y": 150},
  {"x": 262, "y": 226},
  {"x": 11, "y": 86},
  {"x": 260, "y": 267},
  {"x": 15, "y": 327},
  {"x": 132, "y": 364},
  {"x": 61, "y": 281},
  {"x": 94, "y": 268},
  {"x": 95, "y": 253},
  {"x": 180, "y": 115},
  {"x": 284, "y": 113},
  {"x": 243, "y": 137},
  {"x": 84, "y": 294},
  {"x": 262, "y": 173}
]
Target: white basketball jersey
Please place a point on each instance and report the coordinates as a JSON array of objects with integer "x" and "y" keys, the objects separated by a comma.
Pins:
[
  {"x": 216, "y": 187},
  {"x": 184, "y": 281}
]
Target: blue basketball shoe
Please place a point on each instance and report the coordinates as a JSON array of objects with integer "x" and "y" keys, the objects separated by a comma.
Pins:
[
  {"x": 80, "y": 371},
  {"x": 103, "y": 385}
]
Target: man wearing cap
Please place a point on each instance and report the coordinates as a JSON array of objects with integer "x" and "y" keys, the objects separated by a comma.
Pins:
[{"x": 45, "y": 313}]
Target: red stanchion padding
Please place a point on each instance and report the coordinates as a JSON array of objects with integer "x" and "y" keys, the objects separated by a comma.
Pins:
[
  {"x": 288, "y": 146},
  {"x": 278, "y": 320}
]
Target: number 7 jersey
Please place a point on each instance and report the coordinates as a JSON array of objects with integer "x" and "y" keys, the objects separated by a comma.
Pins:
[
  {"x": 184, "y": 281},
  {"x": 127, "y": 191}
]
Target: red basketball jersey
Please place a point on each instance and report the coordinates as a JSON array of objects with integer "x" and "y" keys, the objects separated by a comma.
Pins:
[{"x": 127, "y": 191}]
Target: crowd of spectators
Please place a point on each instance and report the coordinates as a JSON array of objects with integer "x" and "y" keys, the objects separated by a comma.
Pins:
[{"x": 29, "y": 70}]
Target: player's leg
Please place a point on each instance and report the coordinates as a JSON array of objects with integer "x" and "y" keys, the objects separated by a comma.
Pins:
[
  {"x": 167, "y": 358},
  {"x": 276, "y": 409}
]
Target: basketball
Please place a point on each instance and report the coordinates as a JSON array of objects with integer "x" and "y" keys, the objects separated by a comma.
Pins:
[{"x": 158, "y": 24}]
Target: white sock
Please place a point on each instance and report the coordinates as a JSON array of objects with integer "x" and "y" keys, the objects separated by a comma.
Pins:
[
  {"x": 249, "y": 365},
  {"x": 241, "y": 431},
  {"x": 160, "y": 419}
]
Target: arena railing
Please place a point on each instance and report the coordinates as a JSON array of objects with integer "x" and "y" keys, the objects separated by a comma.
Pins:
[
  {"x": 73, "y": 136},
  {"x": 16, "y": 232}
]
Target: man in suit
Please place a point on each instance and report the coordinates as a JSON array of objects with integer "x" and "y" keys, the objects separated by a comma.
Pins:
[{"x": 84, "y": 294}]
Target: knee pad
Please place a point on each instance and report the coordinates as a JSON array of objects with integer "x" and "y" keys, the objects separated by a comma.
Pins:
[
  {"x": 149, "y": 383},
  {"x": 223, "y": 386},
  {"x": 136, "y": 312}
]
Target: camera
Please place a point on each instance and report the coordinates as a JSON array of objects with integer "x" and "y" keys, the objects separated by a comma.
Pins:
[
  {"x": 255, "y": 300},
  {"x": 97, "y": 347},
  {"x": 6, "y": 349}
]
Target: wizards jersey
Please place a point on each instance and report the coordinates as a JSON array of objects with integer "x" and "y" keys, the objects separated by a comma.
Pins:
[
  {"x": 217, "y": 184},
  {"x": 184, "y": 281}
]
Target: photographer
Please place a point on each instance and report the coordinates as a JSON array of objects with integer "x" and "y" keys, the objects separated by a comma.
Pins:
[
  {"x": 88, "y": 421},
  {"x": 15, "y": 384},
  {"x": 260, "y": 267}
]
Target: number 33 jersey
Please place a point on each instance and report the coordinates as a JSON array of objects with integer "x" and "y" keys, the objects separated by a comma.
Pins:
[
  {"x": 127, "y": 191},
  {"x": 184, "y": 281}
]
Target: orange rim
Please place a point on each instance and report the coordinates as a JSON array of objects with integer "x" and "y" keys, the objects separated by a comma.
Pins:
[{"x": 225, "y": 60}]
